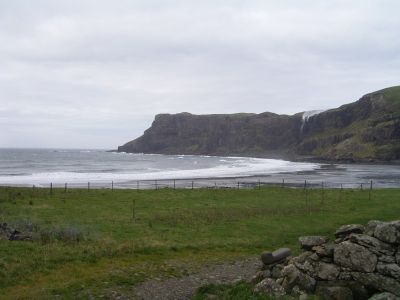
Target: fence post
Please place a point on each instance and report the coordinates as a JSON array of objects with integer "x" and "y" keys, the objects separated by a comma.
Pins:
[
  {"x": 137, "y": 185},
  {"x": 112, "y": 186},
  {"x": 370, "y": 191},
  {"x": 215, "y": 185},
  {"x": 155, "y": 183},
  {"x": 133, "y": 208},
  {"x": 306, "y": 194},
  {"x": 323, "y": 194},
  {"x": 88, "y": 186},
  {"x": 259, "y": 184},
  {"x": 283, "y": 182},
  {"x": 174, "y": 185},
  {"x": 192, "y": 184},
  {"x": 51, "y": 188},
  {"x": 65, "y": 188},
  {"x": 238, "y": 185}
]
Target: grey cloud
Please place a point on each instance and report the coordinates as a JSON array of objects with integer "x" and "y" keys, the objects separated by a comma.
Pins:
[{"x": 98, "y": 71}]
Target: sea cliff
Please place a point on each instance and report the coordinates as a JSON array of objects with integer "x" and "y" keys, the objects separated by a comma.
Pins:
[{"x": 365, "y": 130}]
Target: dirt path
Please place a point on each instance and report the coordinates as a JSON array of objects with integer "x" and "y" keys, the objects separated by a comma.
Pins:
[{"x": 185, "y": 287}]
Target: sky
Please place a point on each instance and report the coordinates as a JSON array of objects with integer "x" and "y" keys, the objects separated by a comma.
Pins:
[{"x": 94, "y": 73}]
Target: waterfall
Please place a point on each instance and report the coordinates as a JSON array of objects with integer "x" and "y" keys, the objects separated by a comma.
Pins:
[{"x": 307, "y": 115}]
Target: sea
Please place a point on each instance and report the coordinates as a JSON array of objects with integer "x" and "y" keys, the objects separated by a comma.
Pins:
[{"x": 105, "y": 169}]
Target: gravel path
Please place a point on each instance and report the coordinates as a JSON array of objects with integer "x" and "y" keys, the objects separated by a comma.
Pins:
[{"x": 185, "y": 287}]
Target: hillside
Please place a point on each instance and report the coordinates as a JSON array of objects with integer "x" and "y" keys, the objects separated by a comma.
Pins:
[{"x": 365, "y": 130}]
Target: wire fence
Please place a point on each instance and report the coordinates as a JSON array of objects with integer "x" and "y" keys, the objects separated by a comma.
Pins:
[{"x": 220, "y": 183}]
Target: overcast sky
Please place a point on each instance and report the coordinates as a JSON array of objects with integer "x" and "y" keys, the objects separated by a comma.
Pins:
[{"x": 92, "y": 74}]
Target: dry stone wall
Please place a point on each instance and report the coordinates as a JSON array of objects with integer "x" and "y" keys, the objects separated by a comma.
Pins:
[{"x": 363, "y": 262}]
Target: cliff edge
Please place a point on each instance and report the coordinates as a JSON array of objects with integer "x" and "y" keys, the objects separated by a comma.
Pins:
[{"x": 365, "y": 130}]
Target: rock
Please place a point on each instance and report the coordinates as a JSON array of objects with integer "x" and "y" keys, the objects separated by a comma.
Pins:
[
  {"x": 324, "y": 250},
  {"x": 392, "y": 270},
  {"x": 355, "y": 257},
  {"x": 334, "y": 293},
  {"x": 19, "y": 236},
  {"x": 339, "y": 240},
  {"x": 388, "y": 232},
  {"x": 384, "y": 296},
  {"x": 327, "y": 259},
  {"x": 378, "y": 282},
  {"x": 346, "y": 230},
  {"x": 398, "y": 256},
  {"x": 387, "y": 259},
  {"x": 373, "y": 244},
  {"x": 260, "y": 275},
  {"x": 345, "y": 276},
  {"x": 306, "y": 267},
  {"x": 276, "y": 256},
  {"x": 276, "y": 271},
  {"x": 326, "y": 271},
  {"x": 269, "y": 286},
  {"x": 293, "y": 276},
  {"x": 307, "y": 242},
  {"x": 358, "y": 290},
  {"x": 370, "y": 227},
  {"x": 301, "y": 258}
]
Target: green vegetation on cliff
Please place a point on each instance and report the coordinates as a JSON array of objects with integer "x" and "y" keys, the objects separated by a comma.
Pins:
[{"x": 366, "y": 130}]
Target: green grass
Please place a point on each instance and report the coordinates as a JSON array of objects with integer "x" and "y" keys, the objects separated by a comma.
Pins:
[{"x": 87, "y": 244}]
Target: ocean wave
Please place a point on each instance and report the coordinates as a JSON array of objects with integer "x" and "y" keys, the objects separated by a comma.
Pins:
[{"x": 239, "y": 168}]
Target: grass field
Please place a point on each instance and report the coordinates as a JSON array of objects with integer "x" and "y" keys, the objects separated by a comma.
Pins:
[{"x": 101, "y": 242}]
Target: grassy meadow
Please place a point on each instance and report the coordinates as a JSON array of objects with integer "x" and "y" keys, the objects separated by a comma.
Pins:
[{"x": 100, "y": 243}]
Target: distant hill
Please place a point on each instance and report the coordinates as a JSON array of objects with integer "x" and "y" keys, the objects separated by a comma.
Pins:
[{"x": 365, "y": 130}]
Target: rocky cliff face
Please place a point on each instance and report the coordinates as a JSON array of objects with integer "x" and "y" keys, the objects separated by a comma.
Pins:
[{"x": 368, "y": 129}]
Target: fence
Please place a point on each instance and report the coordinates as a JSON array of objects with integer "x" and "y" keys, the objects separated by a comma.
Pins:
[{"x": 220, "y": 183}]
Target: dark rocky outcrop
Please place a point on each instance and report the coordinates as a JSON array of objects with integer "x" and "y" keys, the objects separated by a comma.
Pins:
[
  {"x": 361, "y": 264},
  {"x": 8, "y": 233},
  {"x": 366, "y": 130}
]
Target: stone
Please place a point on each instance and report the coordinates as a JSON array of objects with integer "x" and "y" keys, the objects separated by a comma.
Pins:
[
  {"x": 392, "y": 270},
  {"x": 370, "y": 227},
  {"x": 355, "y": 257},
  {"x": 293, "y": 276},
  {"x": 269, "y": 286},
  {"x": 358, "y": 290},
  {"x": 324, "y": 250},
  {"x": 276, "y": 256},
  {"x": 260, "y": 275},
  {"x": 301, "y": 258},
  {"x": 306, "y": 267},
  {"x": 398, "y": 256},
  {"x": 276, "y": 271},
  {"x": 384, "y": 296},
  {"x": 307, "y": 242},
  {"x": 19, "y": 236},
  {"x": 326, "y": 271},
  {"x": 378, "y": 282},
  {"x": 387, "y": 259},
  {"x": 373, "y": 244},
  {"x": 314, "y": 257},
  {"x": 388, "y": 232},
  {"x": 346, "y": 230},
  {"x": 327, "y": 259},
  {"x": 345, "y": 276},
  {"x": 339, "y": 240},
  {"x": 334, "y": 293}
]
